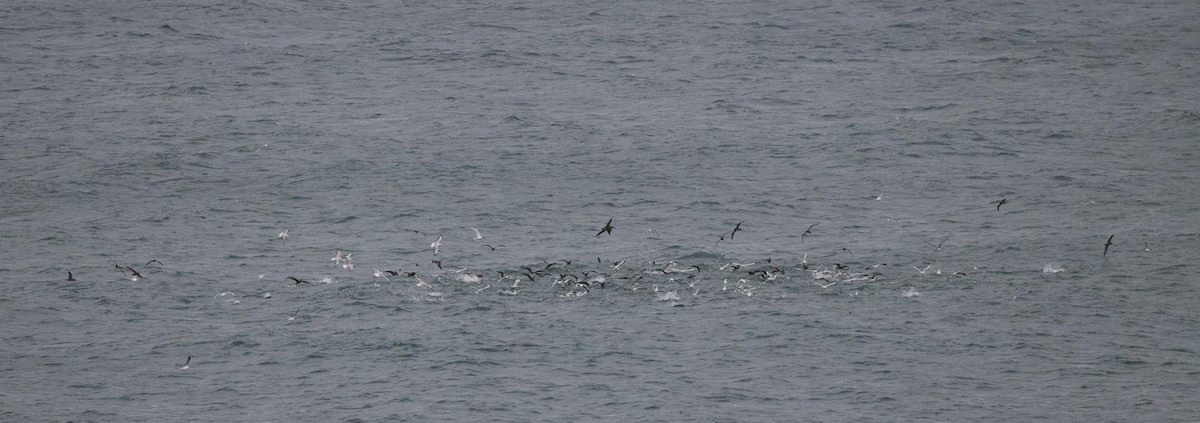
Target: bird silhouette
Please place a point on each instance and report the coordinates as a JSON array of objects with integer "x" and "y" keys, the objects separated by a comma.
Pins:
[{"x": 608, "y": 227}]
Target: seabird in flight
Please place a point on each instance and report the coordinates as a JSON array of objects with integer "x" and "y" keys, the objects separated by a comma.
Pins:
[
  {"x": 70, "y": 277},
  {"x": 1108, "y": 244},
  {"x": 807, "y": 232},
  {"x": 379, "y": 274},
  {"x": 937, "y": 248},
  {"x": 1002, "y": 202},
  {"x": 436, "y": 245},
  {"x": 735, "y": 230},
  {"x": 478, "y": 236},
  {"x": 608, "y": 227}
]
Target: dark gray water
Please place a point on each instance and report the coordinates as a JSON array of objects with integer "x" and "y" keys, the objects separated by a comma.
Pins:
[{"x": 194, "y": 134}]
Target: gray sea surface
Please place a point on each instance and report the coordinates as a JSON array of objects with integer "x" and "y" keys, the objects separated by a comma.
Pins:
[{"x": 157, "y": 150}]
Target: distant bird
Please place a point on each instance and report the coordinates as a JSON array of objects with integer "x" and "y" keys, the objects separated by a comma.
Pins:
[
  {"x": 70, "y": 277},
  {"x": 1001, "y": 202},
  {"x": 294, "y": 315},
  {"x": 298, "y": 281},
  {"x": 937, "y": 248},
  {"x": 878, "y": 197},
  {"x": 438, "y": 263},
  {"x": 1147, "y": 247},
  {"x": 493, "y": 248},
  {"x": 284, "y": 235},
  {"x": 616, "y": 265},
  {"x": 736, "y": 228},
  {"x": 608, "y": 227},
  {"x": 478, "y": 236},
  {"x": 379, "y": 274},
  {"x": 135, "y": 273},
  {"x": 807, "y": 232},
  {"x": 155, "y": 261},
  {"x": 436, "y": 245},
  {"x": 187, "y": 364},
  {"x": 1107, "y": 244}
]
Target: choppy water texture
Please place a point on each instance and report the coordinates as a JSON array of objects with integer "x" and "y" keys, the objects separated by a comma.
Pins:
[{"x": 194, "y": 134}]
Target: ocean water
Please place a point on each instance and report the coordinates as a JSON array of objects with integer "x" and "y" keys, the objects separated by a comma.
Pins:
[{"x": 863, "y": 147}]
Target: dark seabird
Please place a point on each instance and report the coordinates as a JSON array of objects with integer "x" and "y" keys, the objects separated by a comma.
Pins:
[
  {"x": 187, "y": 364},
  {"x": 135, "y": 273},
  {"x": 298, "y": 281},
  {"x": 1002, "y": 202},
  {"x": 1108, "y": 244},
  {"x": 608, "y": 227},
  {"x": 155, "y": 261},
  {"x": 736, "y": 228},
  {"x": 937, "y": 248},
  {"x": 438, "y": 263},
  {"x": 70, "y": 277},
  {"x": 807, "y": 232}
]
